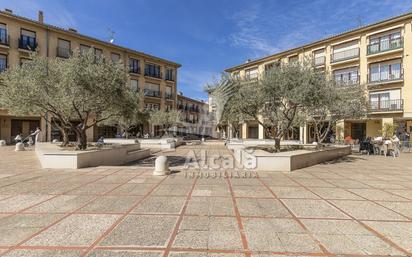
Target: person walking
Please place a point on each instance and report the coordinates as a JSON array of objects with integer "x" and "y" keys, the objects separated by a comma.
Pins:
[{"x": 38, "y": 135}]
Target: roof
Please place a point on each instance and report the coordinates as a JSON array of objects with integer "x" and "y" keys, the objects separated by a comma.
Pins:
[
  {"x": 76, "y": 34},
  {"x": 323, "y": 41},
  {"x": 191, "y": 99}
]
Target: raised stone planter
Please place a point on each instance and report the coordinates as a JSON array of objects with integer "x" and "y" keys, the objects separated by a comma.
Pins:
[
  {"x": 53, "y": 156},
  {"x": 259, "y": 160},
  {"x": 160, "y": 143}
]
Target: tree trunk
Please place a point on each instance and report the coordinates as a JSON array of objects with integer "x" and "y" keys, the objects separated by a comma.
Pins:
[
  {"x": 81, "y": 139},
  {"x": 65, "y": 134},
  {"x": 277, "y": 145}
]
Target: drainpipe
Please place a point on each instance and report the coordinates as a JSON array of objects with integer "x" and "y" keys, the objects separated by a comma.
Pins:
[{"x": 47, "y": 56}]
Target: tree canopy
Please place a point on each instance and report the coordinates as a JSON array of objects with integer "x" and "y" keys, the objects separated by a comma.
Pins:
[
  {"x": 285, "y": 96},
  {"x": 80, "y": 91}
]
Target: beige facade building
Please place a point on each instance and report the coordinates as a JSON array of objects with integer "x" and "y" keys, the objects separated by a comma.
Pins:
[
  {"x": 19, "y": 36},
  {"x": 377, "y": 56},
  {"x": 195, "y": 117}
]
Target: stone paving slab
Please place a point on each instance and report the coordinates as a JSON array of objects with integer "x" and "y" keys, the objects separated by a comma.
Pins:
[{"x": 359, "y": 206}]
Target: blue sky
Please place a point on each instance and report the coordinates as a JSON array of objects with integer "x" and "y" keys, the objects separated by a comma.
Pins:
[{"x": 208, "y": 36}]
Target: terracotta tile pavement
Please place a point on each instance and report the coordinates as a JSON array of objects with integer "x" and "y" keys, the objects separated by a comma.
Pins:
[{"x": 360, "y": 205}]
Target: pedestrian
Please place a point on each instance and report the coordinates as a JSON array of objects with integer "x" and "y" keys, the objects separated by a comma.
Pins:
[{"x": 38, "y": 134}]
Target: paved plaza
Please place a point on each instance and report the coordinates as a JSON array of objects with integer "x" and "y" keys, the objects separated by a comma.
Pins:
[{"x": 361, "y": 205}]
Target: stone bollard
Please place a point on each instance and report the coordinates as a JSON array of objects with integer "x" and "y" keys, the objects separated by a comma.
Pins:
[
  {"x": 161, "y": 166},
  {"x": 2, "y": 142},
  {"x": 55, "y": 141},
  {"x": 19, "y": 147}
]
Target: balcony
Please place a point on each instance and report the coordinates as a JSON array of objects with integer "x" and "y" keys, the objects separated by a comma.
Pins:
[
  {"x": 157, "y": 75},
  {"x": 151, "y": 93},
  {"x": 169, "y": 78},
  {"x": 27, "y": 43},
  {"x": 383, "y": 78},
  {"x": 385, "y": 46},
  {"x": 386, "y": 105},
  {"x": 319, "y": 61},
  {"x": 63, "y": 52},
  {"x": 135, "y": 70},
  {"x": 4, "y": 39},
  {"x": 348, "y": 81},
  {"x": 168, "y": 96},
  {"x": 345, "y": 55}
]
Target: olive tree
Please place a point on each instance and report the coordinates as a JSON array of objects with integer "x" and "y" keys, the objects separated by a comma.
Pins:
[
  {"x": 80, "y": 91},
  {"x": 167, "y": 119},
  {"x": 328, "y": 101}
]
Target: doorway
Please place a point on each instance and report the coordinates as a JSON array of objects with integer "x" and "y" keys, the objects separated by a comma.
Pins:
[{"x": 358, "y": 131}]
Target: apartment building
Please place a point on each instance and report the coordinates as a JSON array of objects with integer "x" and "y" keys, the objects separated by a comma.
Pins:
[
  {"x": 377, "y": 57},
  {"x": 19, "y": 36},
  {"x": 196, "y": 120}
]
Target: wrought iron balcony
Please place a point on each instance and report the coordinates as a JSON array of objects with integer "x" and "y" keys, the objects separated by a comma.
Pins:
[
  {"x": 151, "y": 93},
  {"x": 386, "y": 105},
  {"x": 169, "y": 96},
  {"x": 383, "y": 78},
  {"x": 27, "y": 43},
  {"x": 135, "y": 70},
  {"x": 385, "y": 46},
  {"x": 345, "y": 55}
]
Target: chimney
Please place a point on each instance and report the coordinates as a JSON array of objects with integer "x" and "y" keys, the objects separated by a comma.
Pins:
[
  {"x": 8, "y": 11},
  {"x": 73, "y": 30},
  {"x": 40, "y": 16}
]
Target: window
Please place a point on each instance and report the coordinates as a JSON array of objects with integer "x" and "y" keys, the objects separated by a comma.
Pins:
[
  {"x": 98, "y": 53},
  {"x": 3, "y": 34},
  {"x": 152, "y": 70},
  {"x": 115, "y": 57},
  {"x": 169, "y": 107},
  {"x": 170, "y": 74},
  {"x": 168, "y": 93},
  {"x": 293, "y": 59},
  {"x": 252, "y": 73},
  {"x": 134, "y": 65},
  {"x": 152, "y": 90},
  {"x": 345, "y": 51},
  {"x": 390, "y": 100},
  {"x": 319, "y": 57},
  {"x": 63, "y": 48},
  {"x": 347, "y": 76},
  {"x": 134, "y": 84},
  {"x": 3, "y": 62},
  {"x": 236, "y": 75},
  {"x": 27, "y": 40},
  {"x": 84, "y": 48},
  {"x": 385, "y": 42},
  {"x": 385, "y": 71}
]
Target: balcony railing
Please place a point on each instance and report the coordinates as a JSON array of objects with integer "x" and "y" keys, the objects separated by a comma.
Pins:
[
  {"x": 63, "y": 52},
  {"x": 135, "y": 70},
  {"x": 348, "y": 81},
  {"x": 27, "y": 43},
  {"x": 345, "y": 55},
  {"x": 383, "y": 77},
  {"x": 386, "y": 45},
  {"x": 169, "y": 96},
  {"x": 169, "y": 78},
  {"x": 386, "y": 105},
  {"x": 5, "y": 39},
  {"x": 153, "y": 74},
  {"x": 318, "y": 61},
  {"x": 152, "y": 93}
]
